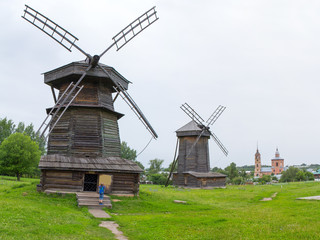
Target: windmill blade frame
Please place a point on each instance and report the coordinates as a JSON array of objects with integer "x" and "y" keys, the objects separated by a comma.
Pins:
[
  {"x": 192, "y": 114},
  {"x": 219, "y": 143},
  {"x": 128, "y": 33},
  {"x": 132, "y": 104},
  {"x": 215, "y": 115},
  {"x": 52, "y": 29},
  {"x": 62, "y": 36}
]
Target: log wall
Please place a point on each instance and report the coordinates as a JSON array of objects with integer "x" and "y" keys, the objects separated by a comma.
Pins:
[
  {"x": 86, "y": 132},
  {"x": 74, "y": 180},
  {"x": 187, "y": 180},
  {"x": 94, "y": 92},
  {"x": 65, "y": 180},
  {"x": 198, "y": 159}
]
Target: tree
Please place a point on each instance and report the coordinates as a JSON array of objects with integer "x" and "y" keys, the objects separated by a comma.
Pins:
[
  {"x": 300, "y": 176},
  {"x": 19, "y": 155},
  {"x": 232, "y": 171},
  {"x": 238, "y": 180},
  {"x": 219, "y": 170},
  {"x": 155, "y": 166},
  {"x": 264, "y": 179},
  {"x": 130, "y": 154},
  {"x": 29, "y": 131},
  {"x": 158, "y": 178},
  {"x": 168, "y": 169},
  {"x": 289, "y": 175},
  {"x": 309, "y": 176},
  {"x": 6, "y": 128},
  {"x": 127, "y": 152},
  {"x": 153, "y": 172}
]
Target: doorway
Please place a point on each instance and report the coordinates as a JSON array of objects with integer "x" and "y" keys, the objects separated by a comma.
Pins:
[{"x": 90, "y": 182}]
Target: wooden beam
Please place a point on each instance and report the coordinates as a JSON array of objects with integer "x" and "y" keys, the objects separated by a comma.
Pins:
[{"x": 54, "y": 95}]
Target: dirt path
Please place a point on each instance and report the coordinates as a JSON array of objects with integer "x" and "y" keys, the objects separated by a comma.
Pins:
[{"x": 113, "y": 227}]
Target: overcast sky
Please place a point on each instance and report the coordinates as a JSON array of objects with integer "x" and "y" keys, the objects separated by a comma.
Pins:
[{"x": 260, "y": 59}]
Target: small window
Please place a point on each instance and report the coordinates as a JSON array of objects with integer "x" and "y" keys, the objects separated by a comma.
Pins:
[{"x": 277, "y": 164}]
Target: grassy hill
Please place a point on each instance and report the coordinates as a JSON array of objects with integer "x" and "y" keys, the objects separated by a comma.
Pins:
[
  {"x": 27, "y": 214},
  {"x": 232, "y": 213}
]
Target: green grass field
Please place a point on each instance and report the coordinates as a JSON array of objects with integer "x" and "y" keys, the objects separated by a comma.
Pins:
[
  {"x": 232, "y": 213},
  {"x": 27, "y": 214}
]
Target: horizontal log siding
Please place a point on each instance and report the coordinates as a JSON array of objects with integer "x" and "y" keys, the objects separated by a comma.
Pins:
[
  {"x": 111, "y": 139},
  {"x": 198, "y": 159},
  {"x": 105, "y": 95},
  {"x": 86, "y": 134},
  {"x": 59, "y": 139},
  {"x": 178, "y": 179},
  {"x": 61, "y": 180},
  {"x": 124, "y": 182},
  {"x": 94, "y": 92},
  {"x": 88, "y": 95},
  {"x": 216, "y": 182}
]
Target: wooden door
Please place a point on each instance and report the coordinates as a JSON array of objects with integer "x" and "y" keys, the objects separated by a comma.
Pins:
[{"x": 106, "y": 180}]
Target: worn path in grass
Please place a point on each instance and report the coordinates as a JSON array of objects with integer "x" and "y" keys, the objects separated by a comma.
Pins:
[{"x": 232, "y": 213}]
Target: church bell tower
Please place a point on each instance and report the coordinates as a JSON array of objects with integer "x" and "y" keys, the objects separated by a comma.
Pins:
[{"x": 257, "y": 166}]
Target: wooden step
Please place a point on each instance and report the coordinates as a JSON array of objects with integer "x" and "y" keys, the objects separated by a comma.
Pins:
[
  {"x": 94, "y": 201},
  {"x": 94, "y": 205}
]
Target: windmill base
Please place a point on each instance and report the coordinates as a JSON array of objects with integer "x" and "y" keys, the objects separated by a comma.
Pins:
[
  {"x": 199, "y": 179},
  {"x": 75, "y": 174}
]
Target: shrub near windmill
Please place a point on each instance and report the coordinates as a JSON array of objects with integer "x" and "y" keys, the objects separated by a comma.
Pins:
[
  {"x": 83, "y": 134},
  {"x": 193, "y": 158}
]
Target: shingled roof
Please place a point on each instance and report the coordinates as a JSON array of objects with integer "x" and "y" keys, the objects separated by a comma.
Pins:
[
  {"x": 205, "y": 174},
  {"x": 191, "y": 129},
  {"x": 100, "y": 164}
]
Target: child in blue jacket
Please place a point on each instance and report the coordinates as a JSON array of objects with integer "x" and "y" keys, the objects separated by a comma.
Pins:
[{"x": 101, "y": 193}]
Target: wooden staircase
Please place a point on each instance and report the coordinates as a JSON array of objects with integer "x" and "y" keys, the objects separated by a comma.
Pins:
[{"x": 91, "y": 200}]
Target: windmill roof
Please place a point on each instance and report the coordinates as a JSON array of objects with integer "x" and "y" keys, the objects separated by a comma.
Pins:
[
  {"x": 74, "y": 70},
  {"x": 103, "y": 164},
  {"x": 191, "y": 129}
]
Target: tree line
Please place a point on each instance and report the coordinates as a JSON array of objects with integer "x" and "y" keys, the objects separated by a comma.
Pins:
[
  {"x": 157, "y": 174},
  {"x": 21, "y": 148}
]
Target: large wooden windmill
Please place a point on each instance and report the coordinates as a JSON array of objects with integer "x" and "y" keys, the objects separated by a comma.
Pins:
[
  {"x": 81, "y": 127},
  {"x": 193, "y": 159}
]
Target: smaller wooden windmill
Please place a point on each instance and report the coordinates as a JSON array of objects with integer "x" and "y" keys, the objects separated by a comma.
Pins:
[{"x": 193, "y": 159}]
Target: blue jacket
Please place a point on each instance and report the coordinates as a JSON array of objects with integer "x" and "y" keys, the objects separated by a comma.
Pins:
[{"x": 101, "y": 189}]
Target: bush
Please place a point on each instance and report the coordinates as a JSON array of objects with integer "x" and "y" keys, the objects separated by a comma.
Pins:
[
  {"x": 238, "y": 181},
  {"x": 265, "y": 179},
  {"x": 158, "y": 178}
]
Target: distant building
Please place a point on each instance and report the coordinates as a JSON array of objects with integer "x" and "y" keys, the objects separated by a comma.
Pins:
[
  {"x": 316, "y": 175},
  {"x": 277, "y": 165}
]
